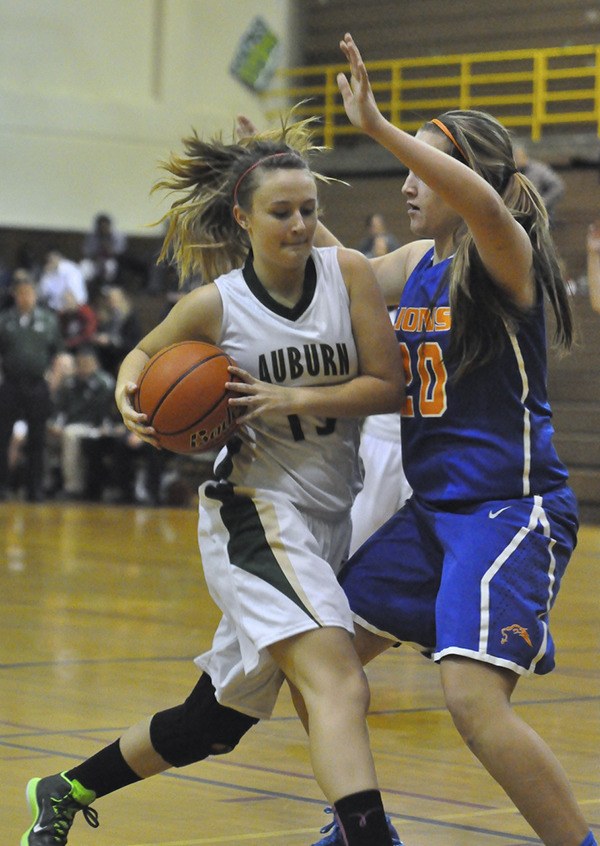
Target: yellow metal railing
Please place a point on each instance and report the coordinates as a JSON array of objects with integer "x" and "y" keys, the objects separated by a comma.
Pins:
[{"x": 540, "y": 91}]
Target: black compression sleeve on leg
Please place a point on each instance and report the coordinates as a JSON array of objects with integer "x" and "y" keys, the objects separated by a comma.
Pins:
[
  {"x": 199, "y": 727},
  {"x": 104, "y": 772}
]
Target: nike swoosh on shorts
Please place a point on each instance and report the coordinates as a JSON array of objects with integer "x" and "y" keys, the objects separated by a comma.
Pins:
[{"x": 493, "y": 514}]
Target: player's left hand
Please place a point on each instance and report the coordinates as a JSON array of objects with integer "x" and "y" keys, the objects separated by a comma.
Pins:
[
  {"x": 257, "y": 398},
  {"x": 359, "y": 101}
]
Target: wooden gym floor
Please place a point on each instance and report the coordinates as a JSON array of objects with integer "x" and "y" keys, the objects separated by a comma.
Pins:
[{"x": 103, "y": 609}]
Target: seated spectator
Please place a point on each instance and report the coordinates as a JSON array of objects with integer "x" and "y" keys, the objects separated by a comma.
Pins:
[
  {"x": 593, "y": 264},
  {"x": 377, "y": 228},
  {"x": 63, "y": 366},
  {"x": 84, "y": 405},
  {"x": 123, "y": 468},
  {"x": 60, "y": 275},
  {"x": 119, "y": 328},
  {"x": 103, "y": 250},
  {"x": 78, "y": 322},
  {"x": 548, "y": 183},
  {"x": 27, "y": 258},
  {"x": 29, "y": 340}
]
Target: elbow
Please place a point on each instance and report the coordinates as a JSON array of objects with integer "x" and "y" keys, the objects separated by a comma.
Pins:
[
  {"x": 400, "y": 397},
  {"x": 395, "y": 394}
]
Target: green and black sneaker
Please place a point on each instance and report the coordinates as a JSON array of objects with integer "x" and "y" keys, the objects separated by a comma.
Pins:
[{"x": 54, "y": 801}]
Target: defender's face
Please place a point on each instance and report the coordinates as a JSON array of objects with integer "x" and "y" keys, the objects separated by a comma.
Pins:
[{"x": 430, "y": 216}]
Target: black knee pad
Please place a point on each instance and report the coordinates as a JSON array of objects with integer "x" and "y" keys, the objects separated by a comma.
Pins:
[{"x": 197, "y": 728}]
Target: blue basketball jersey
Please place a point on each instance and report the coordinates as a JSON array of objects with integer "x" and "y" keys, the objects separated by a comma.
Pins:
[{"x": 488, "y": 435}]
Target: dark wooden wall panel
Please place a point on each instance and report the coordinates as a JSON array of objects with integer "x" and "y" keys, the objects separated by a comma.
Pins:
[{"x": 387, "y": 29}]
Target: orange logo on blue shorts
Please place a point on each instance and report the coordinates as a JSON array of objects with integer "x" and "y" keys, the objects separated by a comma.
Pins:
[{"x": 518, "y": 630}]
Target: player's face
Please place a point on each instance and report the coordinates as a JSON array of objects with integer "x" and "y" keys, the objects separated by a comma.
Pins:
[
  {"x": 282, "y": 222},
  {"x": 430, "y": 216}
]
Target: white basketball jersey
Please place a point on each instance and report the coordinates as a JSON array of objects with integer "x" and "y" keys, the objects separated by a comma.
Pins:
[{"x": 311, "y": 459}]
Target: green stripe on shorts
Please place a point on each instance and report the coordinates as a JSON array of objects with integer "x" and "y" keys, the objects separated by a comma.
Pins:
[{"x": 247, "y": 547}]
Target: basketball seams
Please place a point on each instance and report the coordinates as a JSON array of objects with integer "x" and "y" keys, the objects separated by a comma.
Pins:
[
  {"x": 182, "y": 391},
  {"x": 174, "y": 385},
  {"x": 156, "y": 357},
  {"x": 206, "y": 414}
]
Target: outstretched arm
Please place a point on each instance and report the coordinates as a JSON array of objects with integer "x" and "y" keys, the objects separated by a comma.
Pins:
[
  {"x": 503, "y": 244},
  {"x": 593, "y": 264}
]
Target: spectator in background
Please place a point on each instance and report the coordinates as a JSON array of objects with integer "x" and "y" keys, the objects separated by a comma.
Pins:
[
  {"x": 163, "y": 276},
  {"x": 121, "y": 460},
  {"x": 377, "y": 236},
  {"x": 78, "y": 322},
  {"x": 548, "y": 183},
  {"x": 119, "y": 328},
  {"x": 29, "y": 340},
  {"x": 103, "y": 249},
  {"x": 84, "y": 406},
  {"x": 593, "y": 264},
  {"x": 27, "y": 258},
  {"x": 60, "y": 275},
  {"x": 6, "y": 299},
  {"x": 63, "y": 365}
]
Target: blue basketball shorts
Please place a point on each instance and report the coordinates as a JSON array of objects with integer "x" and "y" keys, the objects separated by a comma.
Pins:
[{"x": 477, "y": 582}]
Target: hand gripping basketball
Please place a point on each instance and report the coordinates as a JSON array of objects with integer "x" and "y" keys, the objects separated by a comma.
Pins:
[{"x": 182, "y": 391}]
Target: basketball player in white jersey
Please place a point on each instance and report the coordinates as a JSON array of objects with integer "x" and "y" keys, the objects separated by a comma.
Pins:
[{"x": 315, "y": 352}]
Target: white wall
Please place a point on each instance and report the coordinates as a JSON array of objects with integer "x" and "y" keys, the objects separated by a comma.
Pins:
[{"x": 93, "y": 93}]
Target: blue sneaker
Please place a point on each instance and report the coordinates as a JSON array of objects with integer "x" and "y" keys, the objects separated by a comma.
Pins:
[{"x": 334, "y": 835}]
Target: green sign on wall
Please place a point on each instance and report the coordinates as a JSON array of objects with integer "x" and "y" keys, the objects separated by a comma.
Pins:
[{"x": 257, "y": 56}]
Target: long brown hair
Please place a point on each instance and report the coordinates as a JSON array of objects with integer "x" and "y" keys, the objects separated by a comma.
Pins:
[
  {"x": 481, "y": 312},
  {"x": 203, "y": 239}
]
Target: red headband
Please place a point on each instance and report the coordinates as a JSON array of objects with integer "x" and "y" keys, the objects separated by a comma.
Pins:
[
  {"x": 251, "y": 168},
  {"x": 449, "y": 135}
]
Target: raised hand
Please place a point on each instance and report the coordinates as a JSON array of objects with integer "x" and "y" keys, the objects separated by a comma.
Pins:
[
  {"x": 244, "y": 127},
  {"x": 593, "y": 237},
  {"x": 359, "y": 101}
]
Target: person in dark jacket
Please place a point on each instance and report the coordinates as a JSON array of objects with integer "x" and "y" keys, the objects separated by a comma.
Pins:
[{"x": 29, "y": 339}]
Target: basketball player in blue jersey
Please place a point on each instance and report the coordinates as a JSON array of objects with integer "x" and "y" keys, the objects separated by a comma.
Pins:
[
  {"x": 316, "y": 352},
  {"x": 470, "y": 567}
]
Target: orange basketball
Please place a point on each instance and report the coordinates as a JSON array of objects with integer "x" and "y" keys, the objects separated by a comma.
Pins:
[{"x": 182, "y": 390}]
